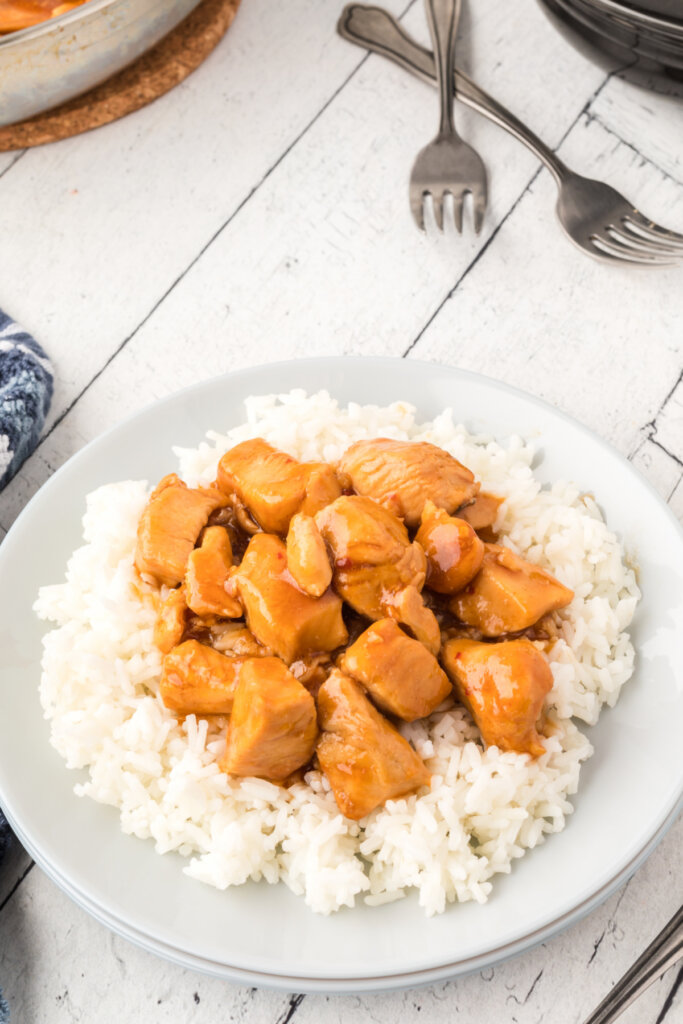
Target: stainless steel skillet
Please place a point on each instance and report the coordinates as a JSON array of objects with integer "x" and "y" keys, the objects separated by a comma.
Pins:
[{"x": 43, "y": 66}]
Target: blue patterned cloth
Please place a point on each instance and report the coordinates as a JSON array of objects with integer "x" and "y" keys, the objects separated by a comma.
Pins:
[
  {"x": 26, "y": 383},
  {"x": 6, "y": 839}
]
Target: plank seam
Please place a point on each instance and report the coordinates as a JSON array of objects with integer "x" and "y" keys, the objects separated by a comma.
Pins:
[
  {"x": 629, "y": 145},
  {"x": 14, "y": 162},
  {"x": 295, "y": 1002},
  {"x": 16, "y": 885},
  {"x": 679, "y": 462}
]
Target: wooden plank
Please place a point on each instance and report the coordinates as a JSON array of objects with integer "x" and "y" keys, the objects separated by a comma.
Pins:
[
  {"x": 663, "y": 472},
  {"x": 97, "y": 228},
  {"x": 676, "y": 500},
  {"x": 602, "y": 342},
  {"x": 650, "y": 122},
  {"x": 7, "y": 160},
  {"x": 13, "y": 870},
  {"x": 325, "y": 257}
]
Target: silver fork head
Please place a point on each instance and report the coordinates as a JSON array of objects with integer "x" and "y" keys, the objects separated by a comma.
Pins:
[
  {"x": 604, "y": 224},
  {"x": 448, "y": 166}
]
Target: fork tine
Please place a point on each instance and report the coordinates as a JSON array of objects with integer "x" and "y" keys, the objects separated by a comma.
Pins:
[
  {"x": 457, "y": 212},
  {"x": 417, "y": 207},
  {"x": 609, "y": 249},
  {"x": 479, "y": 209},
  {"x": 437, "y": 205},
  {"x": 651, "y": 230},
  {"x": 641, "y": 244}
]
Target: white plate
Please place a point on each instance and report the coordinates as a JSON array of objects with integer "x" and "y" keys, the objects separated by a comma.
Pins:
[{"x": 631, "y": 789}]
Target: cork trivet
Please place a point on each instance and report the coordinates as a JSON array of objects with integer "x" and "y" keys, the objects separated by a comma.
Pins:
[{"x": 160, "y": 69}]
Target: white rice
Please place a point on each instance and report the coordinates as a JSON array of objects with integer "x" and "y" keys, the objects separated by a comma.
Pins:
[{"x": 99, "y": 689}]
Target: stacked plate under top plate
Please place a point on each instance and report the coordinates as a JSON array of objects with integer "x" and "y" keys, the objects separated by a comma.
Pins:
[
  {"x": 642, "y": 38},
  {"x": 263, "y": 935}
]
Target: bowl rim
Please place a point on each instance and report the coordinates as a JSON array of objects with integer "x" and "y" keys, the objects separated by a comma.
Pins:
[
  {"x": 44, "y": 28},
  {"x": 660, "y": 23}
]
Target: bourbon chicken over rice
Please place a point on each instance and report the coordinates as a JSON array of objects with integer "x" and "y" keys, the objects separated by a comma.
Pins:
[
  {"x": 328, "y": 654},
  {"x": 277, "y": 567}
]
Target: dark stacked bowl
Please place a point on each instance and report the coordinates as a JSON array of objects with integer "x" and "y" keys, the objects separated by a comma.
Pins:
[{"x": 643, "y": 39}]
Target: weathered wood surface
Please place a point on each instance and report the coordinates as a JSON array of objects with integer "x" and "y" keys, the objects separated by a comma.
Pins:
[{"x": 259, "y": 212}]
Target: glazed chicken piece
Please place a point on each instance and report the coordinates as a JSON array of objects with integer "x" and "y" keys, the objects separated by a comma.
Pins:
[
  {"x": 208, "y": 570},
  {"x": 376, "y": 568},
  {"x": 171, "y": 620},
  {"x": 402, "y": 677},
  {"x": 274, "y": 486},
  {"x": 169, "y": 527},
  {"x": 454, "y": 552},
  {"x": 508, "y": 594},
  {"x": 197, "y": 680},
  {"x": 279, "y": 614},
  {"x": 504, "y": 686},
  {"x": 482, "y": 513},
  {"x": 18, "y": 14},
  {"x": 402, "y": 475},
  {"x": 365, "y": 759},
  {"x": 307, "y": 556},
  {"x": 273, "y": 727}
]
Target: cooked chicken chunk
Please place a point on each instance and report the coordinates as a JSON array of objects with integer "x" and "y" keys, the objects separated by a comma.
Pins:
[
  {"x": 208, "y": 570},
  {"x": 307, "y": 556},
  {"x": 197, "y": 680},
  {"x": 400, "y": 674},
  {"x": 508, "y": 594},
  {"x": 279, "y": 614},
  {"x": 169, "y": 527},
  {"x": 376, "y": 568},
  {"x": 482, "y": 513},
  {"x": 364, "y": 758},
  {"x": 402, "y": 475},
  {"x": 454, "y": 552},
  {"x": 273, "y": 727},
  {"x": 273, "y": 485},
  {"x": 504, "y": 686},
  {"x": 171, "y": 619}
]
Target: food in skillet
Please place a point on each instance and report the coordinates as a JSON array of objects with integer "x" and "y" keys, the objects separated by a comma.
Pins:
[
  {"x": 425, "y": 771},
  {"x": 312, "y": 546},
  {"x": 18, "y": 14}
]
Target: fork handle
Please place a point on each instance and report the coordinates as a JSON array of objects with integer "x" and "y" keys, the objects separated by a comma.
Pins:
[
  {"x": 375, "y": 29},
  {"x": 443, "y": 17},
  {"x": 662, "y": 953}
]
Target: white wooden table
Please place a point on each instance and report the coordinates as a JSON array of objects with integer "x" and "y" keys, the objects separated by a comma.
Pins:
[{"x": 260, "y": 212}]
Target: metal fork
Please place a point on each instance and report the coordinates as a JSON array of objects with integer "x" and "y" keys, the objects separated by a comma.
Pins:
[
  {"x": 662, "y": 953},
  {"x": 447, "y": 165},
  {"x": 599, "y": 220}
]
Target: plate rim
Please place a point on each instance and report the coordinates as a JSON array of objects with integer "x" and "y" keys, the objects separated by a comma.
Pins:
[
  {"x": 594, "y": 898},
  {"x": 319, "y": 984}
]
